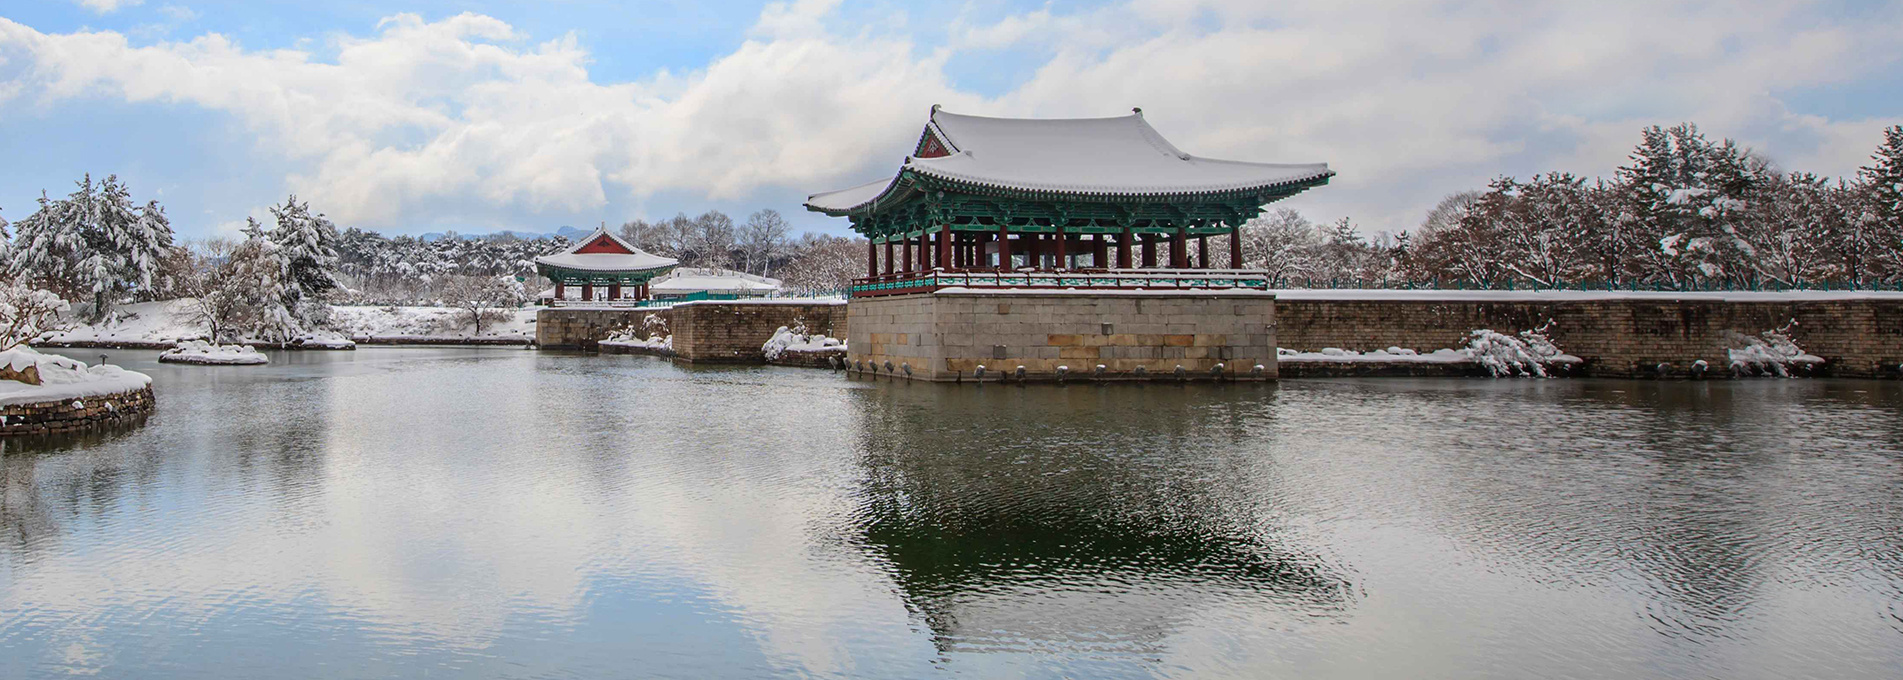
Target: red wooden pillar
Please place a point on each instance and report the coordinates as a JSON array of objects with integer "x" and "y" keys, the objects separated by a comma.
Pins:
[
  {"x": 945, "y": 246},
  {"x": 1033, "y": 250},
  {"x": 924, "y": 252},
  {"x": 1004, "y": 246},
  {"x": 872, "y": 259},
  {"x": 560, "y": 290},
  {"x": 1149, "y": 251},
  {"x": 1063, "y": 248},
  {"x": 1235, "y": 246},
  {"x": 1202, "y": 251},
  {"x": 614, "y": 291},
  {"x": 1179, "y": 251},
  {"x": 1099, "y": 252},
  {"x": 1123, "y": 248},
  {"x": 906, "y": 248},
  {"x": 888, "y": 255},
  {"x": 588, "y": 292}
]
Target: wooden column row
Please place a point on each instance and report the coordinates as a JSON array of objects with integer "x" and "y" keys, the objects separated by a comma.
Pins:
[{"x": 967, "y": 250}]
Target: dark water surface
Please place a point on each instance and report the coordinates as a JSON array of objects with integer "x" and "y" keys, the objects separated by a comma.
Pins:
[{"x": 507, "y": 513}]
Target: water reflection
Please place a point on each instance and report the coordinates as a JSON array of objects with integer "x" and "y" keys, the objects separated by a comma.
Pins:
[
  {"x": 1086, "y": 522},
  {"x": 503, "y": 513}
]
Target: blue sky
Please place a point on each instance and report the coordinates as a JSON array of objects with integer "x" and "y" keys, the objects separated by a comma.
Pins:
[{"x": 408, "y": 117}]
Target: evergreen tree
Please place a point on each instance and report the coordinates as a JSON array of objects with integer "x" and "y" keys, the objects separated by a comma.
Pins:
[
  {"x": 1881, "y": 187},
  {"x": 259, "y": 274},
  {"x": 308, "y": 245}
]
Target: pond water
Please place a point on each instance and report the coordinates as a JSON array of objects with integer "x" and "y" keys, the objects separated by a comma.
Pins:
[{"x": 518, "y": 514}]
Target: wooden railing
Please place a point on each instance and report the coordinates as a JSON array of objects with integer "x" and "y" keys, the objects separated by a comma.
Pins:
[{"x": 1096, "y": 279}]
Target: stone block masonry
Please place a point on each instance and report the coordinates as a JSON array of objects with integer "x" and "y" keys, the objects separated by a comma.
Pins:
[
  {"x": 945, "y": 336},
  {"x": 583, "y": 328},
  {"x": 62, "y": 416},
  {"x": 708, "y": 332},
  {"x": 732, "y": 332},
  {"x": 1618, "y": 335}
]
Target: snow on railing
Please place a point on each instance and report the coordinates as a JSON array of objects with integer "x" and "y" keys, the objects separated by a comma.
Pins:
[{"x": 899, "y": 283}]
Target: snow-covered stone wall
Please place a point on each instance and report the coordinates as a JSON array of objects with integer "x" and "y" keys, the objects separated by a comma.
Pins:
[
  {"x": 1065, "y": 334},
  {"x": 710, "y": 331},
  {"x": 1637, "y": 336},
  {"x": 733, "y": 332},
  {"x": 71, "y": 415}
]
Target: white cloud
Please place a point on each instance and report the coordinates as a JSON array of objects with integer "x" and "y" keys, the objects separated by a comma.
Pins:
[
  {"x": 108, "y": 6},
  {"x": 1410, "y": 100},
  {"x": 178, "y": 13}
]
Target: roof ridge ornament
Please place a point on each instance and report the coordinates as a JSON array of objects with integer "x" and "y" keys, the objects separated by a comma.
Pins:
[{"x": 1138, "y": 110}]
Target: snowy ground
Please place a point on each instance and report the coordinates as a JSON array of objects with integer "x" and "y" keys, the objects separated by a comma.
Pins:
[
  {"x": 657, "y": 343},
  {"x": 155, "y": 324},
  {"x": 1389, "y": 355},
  {"x": 62, "y": 378},
  {"x": 165, "y": 324},
  {"x": 423, "y": 325},
  {"x": 205, "y": 353}
]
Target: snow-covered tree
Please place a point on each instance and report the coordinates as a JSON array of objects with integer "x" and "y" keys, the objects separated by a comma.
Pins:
[
  {"x": 482, "y": 296},
  {"x": 27, "y": 312},
  {"x": 1881, "y": 184},
  {"x": 761, "y": 240},
  {"x": 826, "y": 264},
  {"x": 258, "y": 278},
  {"x": 1682, "y": 194},
  {"x": 93, "y": 244},
  {"x": 308, "y": 245},
  {"x": 712, "y": 241},
  {"x": 1281, "y": 243}
]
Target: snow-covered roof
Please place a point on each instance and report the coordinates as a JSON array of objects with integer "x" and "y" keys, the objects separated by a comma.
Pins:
[
  {"x": 632, "y": 259},
  {"x": 691, "y": 280},
  {"x": 1120, "y": 156}
]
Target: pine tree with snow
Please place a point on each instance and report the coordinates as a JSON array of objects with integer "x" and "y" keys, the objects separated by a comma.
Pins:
[
  {"x": 307, "y": 242},
  {"x": 1881, "y": 187},
  {"x": 259, "y": 274},
  {"x": 1680, "y": 196}
]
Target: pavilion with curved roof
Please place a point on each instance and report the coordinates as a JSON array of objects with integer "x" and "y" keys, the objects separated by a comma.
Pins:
[
  {"x": 1016, "y": 194},
  {"x": 603, "y": 259}
]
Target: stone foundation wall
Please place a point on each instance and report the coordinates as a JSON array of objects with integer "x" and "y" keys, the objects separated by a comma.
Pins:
[
  {"x": 716, "y": 332},
  {"x": 946, "y": 336},
  {"x": 60, "y": 416},
  {"x": 1616, "y": 336},
  {"x": 581, "y": 328}
]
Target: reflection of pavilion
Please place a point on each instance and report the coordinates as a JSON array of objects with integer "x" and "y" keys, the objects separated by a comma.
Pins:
[
  {"x": 1040, "y": 544},
  {"x": 1066, "y": 576}
]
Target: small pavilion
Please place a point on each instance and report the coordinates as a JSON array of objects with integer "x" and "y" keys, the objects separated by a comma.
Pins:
[
  {"x": 1089, "y": 196},
  {"x": 603, "y": 259}
]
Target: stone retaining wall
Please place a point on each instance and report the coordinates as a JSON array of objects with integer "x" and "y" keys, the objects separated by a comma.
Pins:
[
  {"x": 713, "y": 332},
  {"x": 583, "y": 328},
  {"x": 1616, "y": 336},
  {"x": 946, "y": 336},
  {"x": 61, "y": 416},
  {"x": 716, "y": 332}
]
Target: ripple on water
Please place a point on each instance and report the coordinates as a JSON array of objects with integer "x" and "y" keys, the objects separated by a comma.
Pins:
[{"x": 497, "y": 512}]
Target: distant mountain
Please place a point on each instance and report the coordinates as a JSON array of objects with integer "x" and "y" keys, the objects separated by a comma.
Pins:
[{"x": 571, "y": 233}]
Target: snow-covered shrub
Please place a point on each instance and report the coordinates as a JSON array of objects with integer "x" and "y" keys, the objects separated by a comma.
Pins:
[
  {"x": 797, "y": 339},
  {"x": 27, "y": 313},
  {"x": 1504, "y": 355},
  {"x": 1771, "y": 352},
  {"x": 1529, "y": 354}
]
